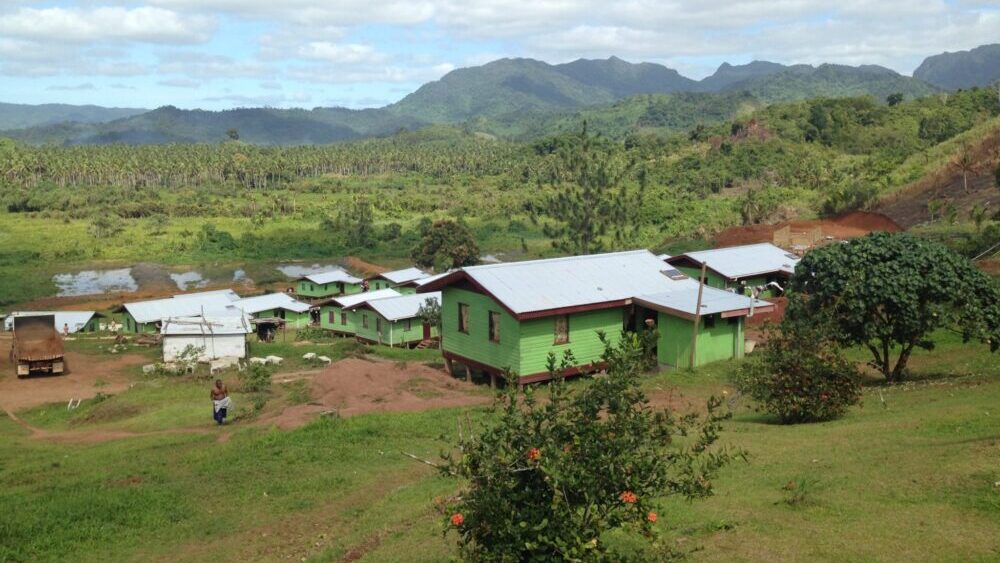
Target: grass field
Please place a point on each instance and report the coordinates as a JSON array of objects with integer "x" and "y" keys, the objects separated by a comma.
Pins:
[{"x": 912, "y": 474}]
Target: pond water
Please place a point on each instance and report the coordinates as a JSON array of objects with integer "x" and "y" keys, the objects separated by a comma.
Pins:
[
  {"x": 90, "y": 282},
  {"x": 189, "y": 280},
  {"x": 298, "y": 270},
  {"x": 491, "y": 258}
]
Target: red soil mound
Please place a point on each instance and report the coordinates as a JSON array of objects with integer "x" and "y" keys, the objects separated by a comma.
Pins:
[
  {"x": 850, "y": 225},
  {"x": 356, "y": 386}
]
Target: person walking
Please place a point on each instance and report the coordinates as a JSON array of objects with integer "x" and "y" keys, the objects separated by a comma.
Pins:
[{"x": 221, "y": 402}]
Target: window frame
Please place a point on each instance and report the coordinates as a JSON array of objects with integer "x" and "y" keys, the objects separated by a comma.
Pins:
[
  {"x": 493, "y": 326},
  {"x": 463, "y": 319},
  {"x": 364, "y": 320},
  {"x": 556, "y": 340},
  {"x": 708, "y": 321},
  {"x": 343, "y": 318}
]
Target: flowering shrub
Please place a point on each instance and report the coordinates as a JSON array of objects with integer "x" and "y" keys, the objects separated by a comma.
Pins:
[
  {"x": 551, "y": 480},
  {"x": 800, "y": 376}
]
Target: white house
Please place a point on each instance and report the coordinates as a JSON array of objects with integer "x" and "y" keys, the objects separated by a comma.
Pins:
[{"x": 213, "y": 337}]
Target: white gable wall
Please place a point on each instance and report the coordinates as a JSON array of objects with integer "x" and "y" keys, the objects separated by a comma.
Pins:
[{"x": 216, "y": 346}]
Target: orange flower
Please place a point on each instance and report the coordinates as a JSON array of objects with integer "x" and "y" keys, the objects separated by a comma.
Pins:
[
  {"x": 534, "y": 454},
  {"x": 457, "y": 519},
  {"x": 628, "y": 497},
  {"x": 651, "y": 517}
]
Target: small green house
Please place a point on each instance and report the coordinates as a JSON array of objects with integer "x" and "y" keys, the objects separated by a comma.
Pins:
[
  {"x": 293, "y": 312},
  {"x": 760, "y": 269},
  {"x": 509, "y": 317},
  {"x": 334, "y": 313},
  {"x": 147, "y": 316},
  {"x": 403, "y": 281},
  {"x": 394, "y": 321},
  {"x": 327, "y": 284}
]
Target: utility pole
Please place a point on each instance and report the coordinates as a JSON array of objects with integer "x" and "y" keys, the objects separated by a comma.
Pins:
[{"x": 697, "y": 316}]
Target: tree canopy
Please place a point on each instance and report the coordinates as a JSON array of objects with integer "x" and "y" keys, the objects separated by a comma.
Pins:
[
  {"x": 446, "y": 244},
  {"x": 888, "y": 292}
]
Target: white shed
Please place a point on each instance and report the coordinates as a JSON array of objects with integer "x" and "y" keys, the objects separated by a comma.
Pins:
[{"x": 213, "y": 337}]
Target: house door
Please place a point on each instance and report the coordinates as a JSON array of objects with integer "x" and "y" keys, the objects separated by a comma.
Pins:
[{"x": 427, "y": 331}]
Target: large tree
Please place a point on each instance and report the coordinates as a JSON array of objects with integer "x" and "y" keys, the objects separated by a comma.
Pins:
[
  {"x": 589, "y": 200},
  {"x": 888, "y": 292},
  {"x": 446, "y": 244}
]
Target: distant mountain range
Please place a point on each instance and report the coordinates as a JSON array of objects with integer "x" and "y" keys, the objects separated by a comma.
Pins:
[
  {"x": 18, "y": 116},
  {"x": 508, "y": 97},
  {"x": 964, "y": 69}
]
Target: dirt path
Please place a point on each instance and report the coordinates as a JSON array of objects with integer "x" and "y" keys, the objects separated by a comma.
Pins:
[{"x": 87, "y": 376}]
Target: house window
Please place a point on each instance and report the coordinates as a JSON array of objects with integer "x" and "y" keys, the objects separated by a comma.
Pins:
[
  {"x": 378, "y": 325},
  {"x": 364, "y": 320},
  {"x": 494, "y": 327},
  {"x": 343, "y": 318},
  {"x": 331, "y": 317},
  {"x": 561, "y": 329},
  {"x": 463, "y": 318},
  {"x": 734, "y": 320},
  {"x": 709, "y": 321},
  {"x": 409, "y": 324}
]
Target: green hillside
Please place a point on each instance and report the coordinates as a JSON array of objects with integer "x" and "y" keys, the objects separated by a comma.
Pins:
[
  {"x": 963, "y": 69},
  {"x": 20, "y": 116}
]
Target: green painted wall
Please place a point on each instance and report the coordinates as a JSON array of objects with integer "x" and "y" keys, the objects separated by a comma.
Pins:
[
  {"x": 524, "y": 346},
  {"x": 476, "y": 344},
  {"x": 307, "y": 288},
  {"x": 722, "y": 342},
  {"x": 292, "y": 319},
  {"x": 324, "y": 319},
  {"x": 711, "y": 278},
  {"x": 538, "y": 338},
  {"x": 393, "y": 333},
  {"x": 405, "y": 290},
  {"x": 129, "y": 325}
]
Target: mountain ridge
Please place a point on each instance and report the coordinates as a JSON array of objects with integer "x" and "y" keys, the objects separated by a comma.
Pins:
[{"x": 506, "y": 97}]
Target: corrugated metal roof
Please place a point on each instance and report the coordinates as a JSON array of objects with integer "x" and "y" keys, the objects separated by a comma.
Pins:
[
  {"x": 429, "y": 279},
  {"x": 403, "y": 307},
  {"x": 333, "y": 276},
  {"x": 556, "y": 283},
  {"x": 664, "y": 256},
  {"x": 254, "y": 305},
  {"x": 183, "y": 305},
  {"x": 358, "y": 298},
  {"x": 748, "y": 260},
  {"x": 712, "y": 301},
  {"x": 207, "y": 325},
  {"x": 405, "y": 275},
  {"x": 76, "y": 320}
]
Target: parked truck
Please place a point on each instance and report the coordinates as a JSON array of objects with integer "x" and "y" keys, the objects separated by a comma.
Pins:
[{"x": 37, "y": 346}]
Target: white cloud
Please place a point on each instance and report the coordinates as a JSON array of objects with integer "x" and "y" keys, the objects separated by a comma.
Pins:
[
  {"x": 72, "y": 87},
  {"x": 351, "y": 53},
  {"x": 143, "y": 24}
]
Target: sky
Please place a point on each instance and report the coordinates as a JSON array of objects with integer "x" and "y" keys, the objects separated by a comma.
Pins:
[{"x": 219, "y": 54}]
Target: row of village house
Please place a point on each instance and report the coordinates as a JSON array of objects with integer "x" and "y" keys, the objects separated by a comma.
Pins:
[{"x": 500, "y": 317}]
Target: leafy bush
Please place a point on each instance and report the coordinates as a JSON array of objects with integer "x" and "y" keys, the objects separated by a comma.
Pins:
[
  {"x": 551, "y": 480},
  {"x": 256, "y": 379},
  {"x": 800, "y": 376}
]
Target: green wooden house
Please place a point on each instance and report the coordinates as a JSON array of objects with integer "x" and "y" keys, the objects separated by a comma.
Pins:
[
  {"x": 394, "y": 321},
  {"x": 147, "y": 316},
  {"x": 511, "y": 316},
  {"x": 760, "y": 269},
  {"x": 294, "y": 313},
  {"x": 327, "y": 284},
  {"x": 334, "y": 313},
  {"x": 403, "y": 281}
]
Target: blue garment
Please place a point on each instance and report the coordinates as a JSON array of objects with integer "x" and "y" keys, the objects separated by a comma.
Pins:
[{"x": 219, "y": 415}]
